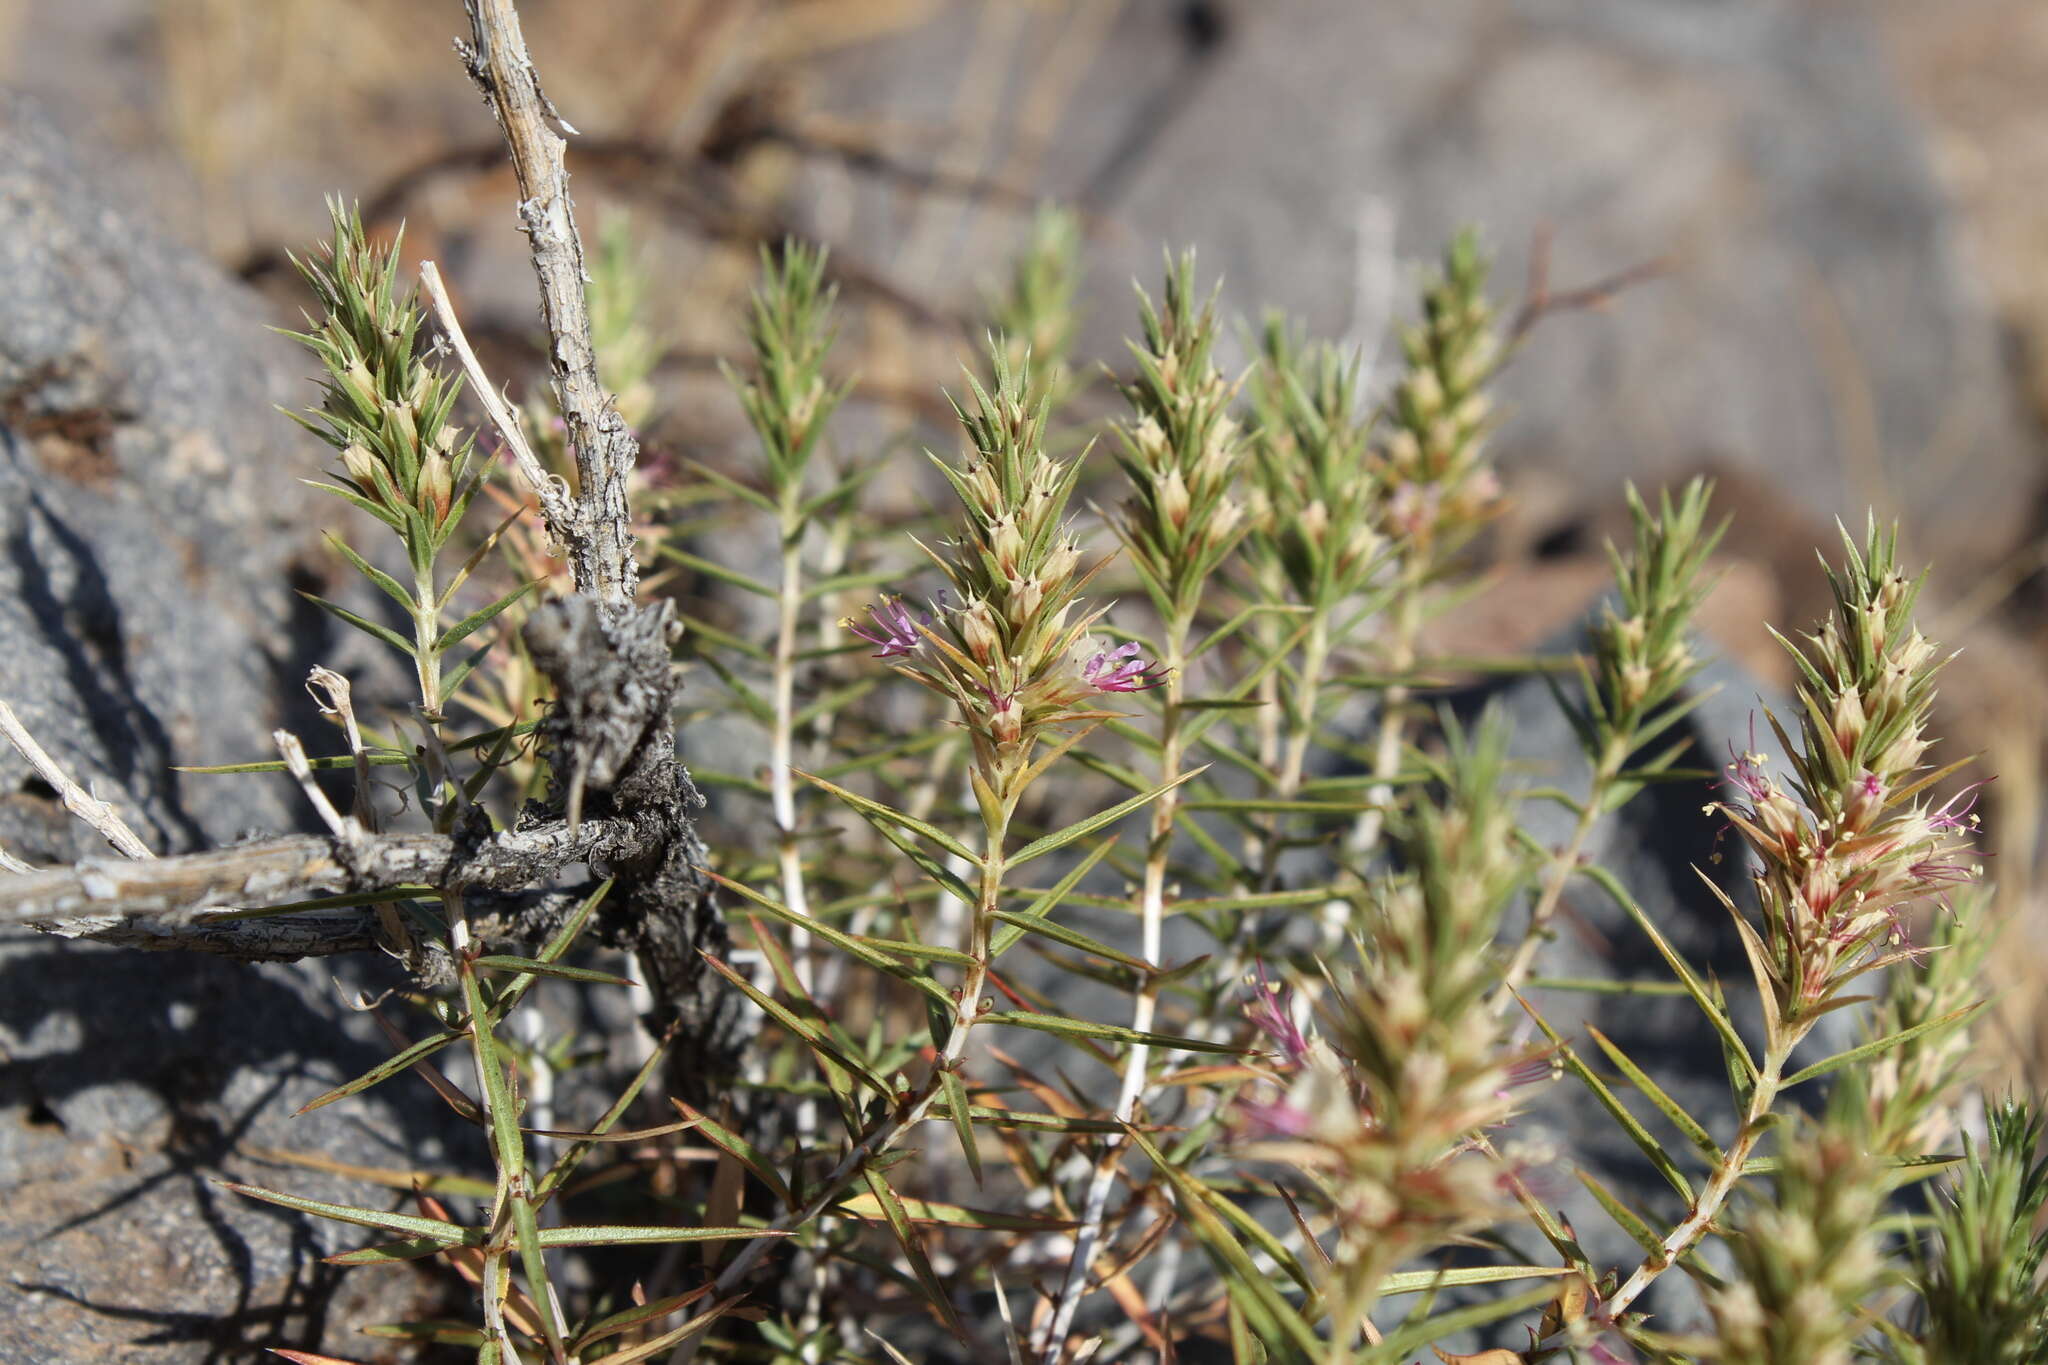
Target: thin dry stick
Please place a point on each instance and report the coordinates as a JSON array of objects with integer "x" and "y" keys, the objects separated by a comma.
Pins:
[
  {"x": 601, "y": 554},
  {"x": 331, "y": 693},
  {"x": 343, "y": 827},
  {"x": 296, "y": 867},
  {"x": 557, "y": 512},
  {"x": 1538, "y": 302},
  {"x": 99, "y": 814}
]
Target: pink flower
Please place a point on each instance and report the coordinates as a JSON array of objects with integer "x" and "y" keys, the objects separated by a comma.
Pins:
[
  {"x": 893, "y": 628},
  {"x": 1949, "y": 820},
  {"x": 1122, "y": 670},
  {"x": 1269, "y": 1011},
  {"x": 1277, "y": 1119}
]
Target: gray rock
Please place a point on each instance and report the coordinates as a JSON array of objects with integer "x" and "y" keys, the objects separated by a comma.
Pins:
[
  {"x": 133, "y": 1084},
  {"x": 150, "y": 516},
  {"x": 1820, "y": 327},
  {"x": 151, "y": 523}
]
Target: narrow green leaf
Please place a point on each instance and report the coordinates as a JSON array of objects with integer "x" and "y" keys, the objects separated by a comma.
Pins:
[
  {"x": 866, "y": 1206},
  {"x": 732, "y": 486},
  {"x": 899, "y": 818},
  {"x": 388, "y": 1253},
  {"x": 1110, "y": 1033},
  {"x": 1920, "y": 1167},
  {"x": 1002, "y": 940},
  {"x": 384, "y": 633},
  {"x": 906, "y": 1238},
  {"x": 500, "y": 1108},
  {"x": 963, "y": 1124},
  {"x": 601, "y": 1235},
  {"x": 838, "y": 938},
  {"x": 1072, "y": 938},
  {"x": 1062, "y": 837},
  {"x": 1629, "y": 1220},
  {"x": 1685, "y": 1123},
  {"x": 1418, "y": 1281},
  {"x": 1596, "y": 986},
  {"x": 1399, "y": 1342},
  {"x": 391, "y": 587},
  {"x": 553, "y": 950},
  {"x": 432, "y": 1229},
  {"x": 619, "y": 1322},
  {"x": 668, "y": 1341},
  {"x": 1628, "y": 1122},
  {"x": 1247, "y": 1285},
  {"x": 391, "y": 1066},
  {"x": 478, "y": 619},
  {"x": 500, "y": 962},
  {"x": 533, "y": 1259},
  {"x": 357, "y": 501},
  {"x": 1716, "y": 1015},
  {"x": 717, "y": 571},
  {"x": 990, "y": 1117},
  {"x": 811, "y": 1035},
  {"x": 571, "y": 1156},
  {"x": 276, "y": 765},
  {"x": 1885, "y": 1044},
  {"x": 435, "y": 1332},
  {"x": 739, "y": 1149},
  {"x": 696, "y": 628}
]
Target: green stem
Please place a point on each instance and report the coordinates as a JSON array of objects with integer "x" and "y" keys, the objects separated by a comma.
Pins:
[
  {"x": 1558, "y": 873},
  {"x": 426, "y": 633},
  {"x": 510, "y": 1204},
  {"x": 1301, "y": 721},
  {"x": 1145, "y": 1001},
  {"x": 1386, "y": 757},
  {"x": 909, "y": 1110},
  {"x": 1726, "y": 1175},
  {"x": 781, "y": 779}
]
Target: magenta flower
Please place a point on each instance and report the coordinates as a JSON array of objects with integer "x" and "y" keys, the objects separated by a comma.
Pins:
[
  {"x": 1948, "y": 819},
  {"x": 1270, "y": 1013},
  {"x": 1275, "y": 1119},
  {"x": 1122, "y": 670},
  {"x": 1534, "y": 1070},
  {"x": 893, "y": 628}
]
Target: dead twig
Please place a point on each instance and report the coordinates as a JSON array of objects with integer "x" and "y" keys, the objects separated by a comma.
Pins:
[
  {"x": 99, "y": 814},
  {"x": 1538, "y": 302},
  {"x": 601, "y": 551},
  {"x": 558, "y": 513}
]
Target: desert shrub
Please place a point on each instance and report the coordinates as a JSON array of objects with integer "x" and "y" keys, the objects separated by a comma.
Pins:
[{"x": 1133, "y": 748}]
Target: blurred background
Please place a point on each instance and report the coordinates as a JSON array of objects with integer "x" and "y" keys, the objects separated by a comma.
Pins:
[{"x": 1831, "y": 219}]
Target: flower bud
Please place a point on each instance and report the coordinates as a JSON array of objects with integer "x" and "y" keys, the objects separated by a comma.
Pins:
[
  {"x": 436, "y": 487},
  {"x": 1314, "y": 521},
  {"x": 1006, "y": 543},
  {"x": 360, "y": 386},
  {"x": 1059, "y": 565},
  {"x": 1222, "y": 523},
  {"x": 1172, "y": 494},
  {"x": 1866, "y": 801},
  {"x": 1848, "y": 721},
  {"x": 1780, "y": 817},
  {"x": 360, "y": 466},
  {"x": 1005, "y": 726},
  {"x": 978, "y": 632},
  {"x": 1024, "y": 596},
  {"x": 1422, "y": 394}
]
